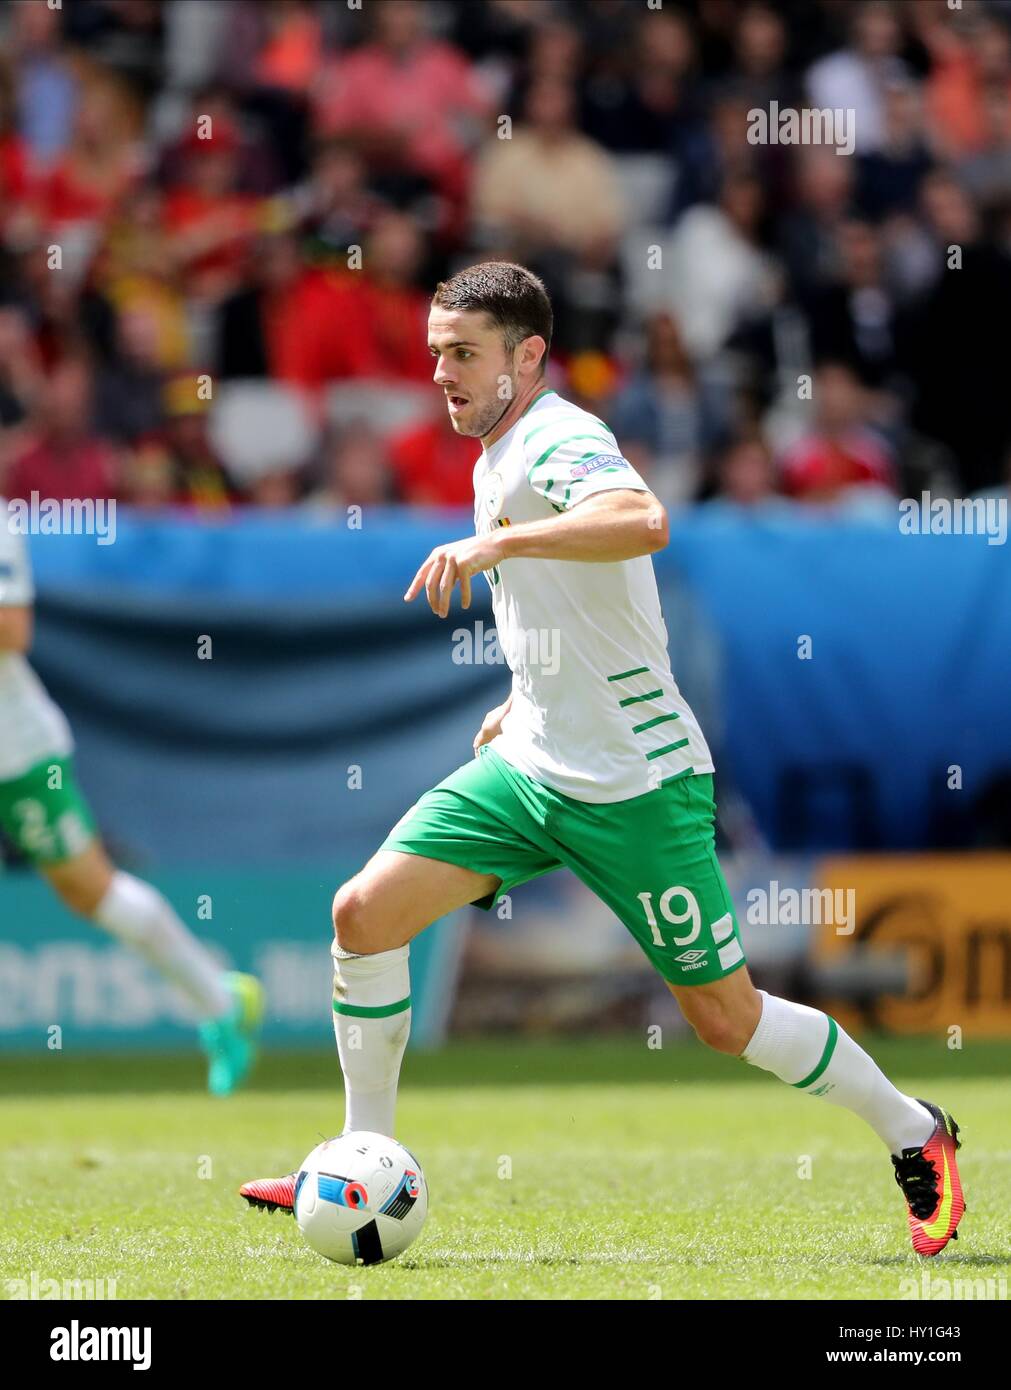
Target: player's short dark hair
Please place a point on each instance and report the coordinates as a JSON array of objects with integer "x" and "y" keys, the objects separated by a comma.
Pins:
[{"x": 513, "y": 298}]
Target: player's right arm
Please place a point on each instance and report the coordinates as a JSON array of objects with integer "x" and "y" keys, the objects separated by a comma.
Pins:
[{"x": 492, "y": 724}]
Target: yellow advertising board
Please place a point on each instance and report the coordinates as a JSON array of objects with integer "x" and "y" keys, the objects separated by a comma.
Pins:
[{"x": 950, "y": 914}]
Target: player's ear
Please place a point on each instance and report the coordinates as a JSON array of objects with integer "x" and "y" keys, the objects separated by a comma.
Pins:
[{"x": 532, "y": 350}]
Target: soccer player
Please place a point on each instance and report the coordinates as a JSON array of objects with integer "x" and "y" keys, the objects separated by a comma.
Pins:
[
  {"x": 44, "y": 814},
  {"x": 593, "y": 761}
]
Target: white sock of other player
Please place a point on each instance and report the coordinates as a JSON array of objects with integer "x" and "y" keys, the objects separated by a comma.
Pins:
[
  {"x": 137, "y": 915},
  {"x": 371, "y": 1021},
  {"x": 807, "y": 1049}
]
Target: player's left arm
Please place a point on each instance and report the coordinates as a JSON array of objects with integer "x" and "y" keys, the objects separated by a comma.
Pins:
[
  {"x": 15, "y": 629},
  {"x": 606, "y": 526}
]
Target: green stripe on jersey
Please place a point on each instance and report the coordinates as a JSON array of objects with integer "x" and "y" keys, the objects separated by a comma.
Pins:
[
  {"x": 568, "y": 440},
  {"x": 624, "y": 675},
  {"x": 667, "y": 748},
  {"x": 635, "y": 699},
  {"x": 649, "y": 724},
  {"x": 676, "y": 776}
]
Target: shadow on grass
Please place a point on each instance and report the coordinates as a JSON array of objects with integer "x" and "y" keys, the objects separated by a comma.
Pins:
[{"x": 591, "y": 1061}]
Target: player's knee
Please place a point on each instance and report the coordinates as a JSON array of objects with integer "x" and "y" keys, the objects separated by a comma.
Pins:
[
  {"x": 717, "y": 1029},
  {"x": 78, "y": 896},
  {"x": 350, "y": 919}
]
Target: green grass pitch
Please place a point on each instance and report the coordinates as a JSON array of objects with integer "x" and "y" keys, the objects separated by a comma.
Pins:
[{"x": 575, "y": 1169}]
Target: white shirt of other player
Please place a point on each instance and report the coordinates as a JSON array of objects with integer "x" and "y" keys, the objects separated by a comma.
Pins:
[
  {"x": 596, "y": 713},
  {"x": 32, "y": 728}
]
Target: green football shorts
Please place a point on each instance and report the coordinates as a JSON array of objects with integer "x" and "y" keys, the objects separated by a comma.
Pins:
[
  {"x": 44, "y": 813},
  {"x": 650, "y": 858}
]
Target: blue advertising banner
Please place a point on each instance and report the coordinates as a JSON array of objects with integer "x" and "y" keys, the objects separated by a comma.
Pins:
[{"x": 59, "y": 972}]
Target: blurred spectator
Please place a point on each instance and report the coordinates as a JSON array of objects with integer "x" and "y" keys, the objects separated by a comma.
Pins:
[
  {"x": 718, "y": 273},
  {"x": 660, "y": 413},
  {"x": 176, "y": 466},
  {"x": 315, "y": 325},
  {"x": 86, "y": 182},
  {"x": 433, "y": 465},
  {"x": 548, "y": 188},
  {"x": 253, "y": 321},
  {"x": 136, "y": 272},
  {"x": 46, "y": 86},
  {"x": 14, "y": 165},
  {"x": 957, "y": 357},
  {"x": 643, "y": 98},
  {"x": 413, "y": 102},
  {"x": 337, "y": 206},
  {"x": 356, "y": 471},
  {"x": 809, "y": 231},
  {"x": 854, "y": 78},
  {"x": 21, "y": 375},
  {"x": 760, "y": 49},
  {"x": 67, "y": 458},
  {"x": 841, "y": 451},
  {"x": 853, "y": 319},
  {"x": 987, "y": 172},
  {"x": 67, "y": 316},
  {"x": 292, "y": 52},
  {"x": 391, "y": 300},
  {"x": 969, "y": 57},
  {"x": 746, "y": 474},
  {"x": 889, "y": 178},
  {"x": 128, "y": 393},
  {"x": 210, "y": 221}
]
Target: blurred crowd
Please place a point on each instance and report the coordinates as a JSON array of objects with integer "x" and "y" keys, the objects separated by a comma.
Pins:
[{"x": 221, "y": 222}]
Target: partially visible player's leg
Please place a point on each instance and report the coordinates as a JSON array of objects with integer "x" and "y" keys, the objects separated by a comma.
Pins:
[
  {"x": 397, "y": 894},
  {"x": 804, "y": 1048},
  {"x": 375, "y": 915},
  {"x": 807, "y": 1049},
  {"x": 723, "y": 1013},
  {"x": 140, "y": 917},
  {"x": 653, "y": 860},
  {"x": 49, "y": 821},
  {"x": 468, "y": 840}
]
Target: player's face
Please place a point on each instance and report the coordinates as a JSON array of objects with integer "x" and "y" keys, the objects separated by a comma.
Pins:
[{"x": 473, "y": 369}]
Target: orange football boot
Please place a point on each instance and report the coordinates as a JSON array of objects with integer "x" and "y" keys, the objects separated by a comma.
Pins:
[
  {"x": 271, "y": 1194},
  {"x": 931, "y": 1186}
]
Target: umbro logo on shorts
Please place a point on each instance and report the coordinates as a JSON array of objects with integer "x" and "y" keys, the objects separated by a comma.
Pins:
[{"x": 687, "y": 957}]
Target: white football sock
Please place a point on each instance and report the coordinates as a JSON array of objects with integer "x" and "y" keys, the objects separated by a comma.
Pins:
[
  {"x": 807, "y": 1049},
  {"x": 371, "y": 1021},
  {"x": 137, "y": 915}
]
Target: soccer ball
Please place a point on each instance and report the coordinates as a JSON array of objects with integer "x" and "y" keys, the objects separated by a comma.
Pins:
[{"x": 360, "y": 1198}]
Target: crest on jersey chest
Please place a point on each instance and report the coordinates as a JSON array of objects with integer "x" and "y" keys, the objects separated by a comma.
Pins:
[{"x": 492, "y": 494}]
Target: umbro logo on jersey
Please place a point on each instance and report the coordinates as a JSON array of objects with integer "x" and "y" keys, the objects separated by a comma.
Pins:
[
  {"x": 688, "y": 957},
  {"x": 601, "y": 461}
]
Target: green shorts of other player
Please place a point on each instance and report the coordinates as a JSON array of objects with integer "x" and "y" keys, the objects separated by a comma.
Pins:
[{"x": 46, "y": 818}]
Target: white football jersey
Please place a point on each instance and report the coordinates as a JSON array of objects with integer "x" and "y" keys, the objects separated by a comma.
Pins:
[
  {"x": 596, "y": 713},
  {"x": 32, "y": 728}
]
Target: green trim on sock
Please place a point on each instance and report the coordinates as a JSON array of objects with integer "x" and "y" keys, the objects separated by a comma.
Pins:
[
  {"x": 380, "y": 1011},
  {"x": 826, "y": 1056}
]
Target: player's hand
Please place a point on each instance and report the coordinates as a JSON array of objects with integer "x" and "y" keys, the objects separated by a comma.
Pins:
[
  {"x": 451, "y": 564},
  {"x": 491, "y": 726}
]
